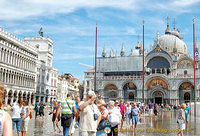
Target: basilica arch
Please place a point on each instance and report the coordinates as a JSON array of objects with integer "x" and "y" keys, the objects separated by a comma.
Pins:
[
  {"x": 186, "y": 93},
  {"x": 129, "y": 91},
  {"x": 110, "y": 91},
  {"x": 157, "y": 90}
]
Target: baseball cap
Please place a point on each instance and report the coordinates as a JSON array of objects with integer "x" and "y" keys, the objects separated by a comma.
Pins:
[{"x": 90, "y": 93}]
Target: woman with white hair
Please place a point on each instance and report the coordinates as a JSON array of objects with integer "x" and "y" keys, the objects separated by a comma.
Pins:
[
  {"x": 181, "y": 119},
  {"x": 114, "y": 117},
  {"x": 104, "y": 115},
  {"x": 5, "y": 119}
]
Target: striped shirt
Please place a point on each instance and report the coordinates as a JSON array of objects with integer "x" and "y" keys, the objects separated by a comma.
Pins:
[{"x": 65, "y": 108}]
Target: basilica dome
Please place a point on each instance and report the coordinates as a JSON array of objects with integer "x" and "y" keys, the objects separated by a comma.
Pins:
[{"x": 170, "y": 41}]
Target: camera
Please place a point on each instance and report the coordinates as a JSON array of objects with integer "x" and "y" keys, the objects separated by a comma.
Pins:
[{"x": 95, "y": 117}]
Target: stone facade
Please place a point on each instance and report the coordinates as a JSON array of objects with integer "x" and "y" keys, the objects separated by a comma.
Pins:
[
  {"x": 17, "y": 68},
  {"x": 169, "y": 76}
]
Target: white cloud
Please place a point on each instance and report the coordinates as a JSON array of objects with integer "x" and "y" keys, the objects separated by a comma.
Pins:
[
  {"x": 71, "y": 56},
  {"x": 21, "y": 9}
]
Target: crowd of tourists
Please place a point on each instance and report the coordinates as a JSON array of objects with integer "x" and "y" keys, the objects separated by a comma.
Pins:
[{"x": 92, "y": 116}]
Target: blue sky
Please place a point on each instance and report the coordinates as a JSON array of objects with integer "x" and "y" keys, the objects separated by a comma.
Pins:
[{"x": 71, "y": 25}]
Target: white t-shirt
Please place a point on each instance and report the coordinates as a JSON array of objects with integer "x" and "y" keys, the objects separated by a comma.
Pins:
[
  {"x": 24, "y": 110},
  {"x": 87, "y": 122},
  {"x": 16, "y": 111},
  {"x": 128, "y": 109},
  {"x": 114, "y": 116}
]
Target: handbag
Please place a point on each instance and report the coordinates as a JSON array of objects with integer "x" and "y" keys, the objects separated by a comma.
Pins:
[
  {"x": 30, "y": 115},
  {"x": 66, "y": 118},
  {"x": 103, "y": 124}
]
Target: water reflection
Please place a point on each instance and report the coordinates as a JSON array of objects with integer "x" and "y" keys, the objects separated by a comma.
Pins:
[{"x": 161, "y": 125}]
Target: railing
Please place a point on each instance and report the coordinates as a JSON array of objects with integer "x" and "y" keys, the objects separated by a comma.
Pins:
[
  {"x": 140, "y": 77},
  {"x": 118, "y": 77}
]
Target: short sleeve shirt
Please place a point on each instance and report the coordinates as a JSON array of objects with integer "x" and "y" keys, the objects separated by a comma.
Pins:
[
  {"x": 122, "y": 108},
  {"x": 67, "y": 106},
  {"x": 135, "y": 111},
  {"x": 87, "y": 122},
  {"x": 150, "y": 106},
  {"x": 187, "y": 110}
]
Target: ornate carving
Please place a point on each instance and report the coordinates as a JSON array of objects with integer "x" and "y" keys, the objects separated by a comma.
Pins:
[{"x": 185, "y": 64}]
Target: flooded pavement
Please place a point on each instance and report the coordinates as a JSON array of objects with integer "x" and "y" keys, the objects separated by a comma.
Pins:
[{"x": 165, "y": 125}]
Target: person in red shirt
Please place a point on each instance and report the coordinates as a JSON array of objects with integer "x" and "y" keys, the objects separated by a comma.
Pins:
[{"x": 122, "y": 111}]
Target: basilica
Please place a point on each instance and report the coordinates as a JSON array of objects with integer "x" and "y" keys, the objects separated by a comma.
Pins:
[{"x": 168, "y": 68}]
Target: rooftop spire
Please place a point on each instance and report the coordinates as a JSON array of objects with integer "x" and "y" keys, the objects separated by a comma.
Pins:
[
  {"x": 122, "y": 51},
  {"x": 104, "y": 54},
  {"x": 131, "y": 52},
  {"x": 116, "y": 55},
  {"x": 174, "y": 24},
  {"x": 41, "y": 32},
  {"x": 167, "y": 31},
  {"x": 111, "y": 53},
  {"x": 138, "y": 43},
  {"x": 167, "y": 21}
]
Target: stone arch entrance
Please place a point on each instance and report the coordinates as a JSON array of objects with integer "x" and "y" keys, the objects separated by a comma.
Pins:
[
  {"x": 157, "y": 90},
  {"x": 158, "y": 97},
  {"x": 186, "y": 93},
  {"x": 110, "y": 92},
  {"x": 129, "y": 91}
]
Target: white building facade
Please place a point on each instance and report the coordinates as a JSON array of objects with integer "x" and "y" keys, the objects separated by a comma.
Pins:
[
  {"x": 169, "y": 76},
  {"x": 47, "y": 75},
  {"x": 17, "y": 68}
]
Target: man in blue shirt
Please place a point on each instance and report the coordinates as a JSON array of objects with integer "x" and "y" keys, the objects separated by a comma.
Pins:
[
  {"x": 134, "y": 114},
  {"x": 187, "y": 112},
  {"x": 36, "y": 109}
]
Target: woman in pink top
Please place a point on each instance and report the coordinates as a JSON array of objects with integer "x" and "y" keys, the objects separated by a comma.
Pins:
[{"x": 122, "y": 111}]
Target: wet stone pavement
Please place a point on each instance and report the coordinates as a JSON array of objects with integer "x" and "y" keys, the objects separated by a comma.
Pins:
[{"x": 164, "y": 125}]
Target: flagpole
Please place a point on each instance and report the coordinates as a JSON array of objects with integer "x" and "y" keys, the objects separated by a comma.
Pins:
[
  {"x": 143, "y": 66},
  {"x": 95, "y": 74},
  {"x": 194, "y": 67}
]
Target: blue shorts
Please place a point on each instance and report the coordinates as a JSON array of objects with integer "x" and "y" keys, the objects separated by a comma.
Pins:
[
  {"x": 134, "y": 119},
  {"x": 187, "y": 118}
]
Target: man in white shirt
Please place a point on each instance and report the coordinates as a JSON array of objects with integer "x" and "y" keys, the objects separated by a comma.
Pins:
[{"x": 88, "y": 116}]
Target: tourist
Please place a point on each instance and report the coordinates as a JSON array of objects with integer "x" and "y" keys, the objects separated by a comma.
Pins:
[
  {"x": 134, "y": 115},
  {"x": 128, "y": 111},
  {"x": 41, "y": 110},
  {"x": 66, "y": 110},
  {"x": 16, "y": 117},
  {"x": 122, "y": 111},
  {"x": 55, "y": 124},
  {"x": 187, "y": 114},
  {"x": 150, "y": 109},
  {"x": 104, "y": 115},
  {"x": 117, "y": 105},
  {"x": 77, "y": 117},
  {"x": 36, "y": 109},
  {"x": 114, "y": 117},
  {"x": 181, "y": 119},
  {"x": 89, "y": 116},
  {"x": 5, "y": 119},
  {"x": 25, "y": 118},
  {"x": 155, "y": 110}
]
